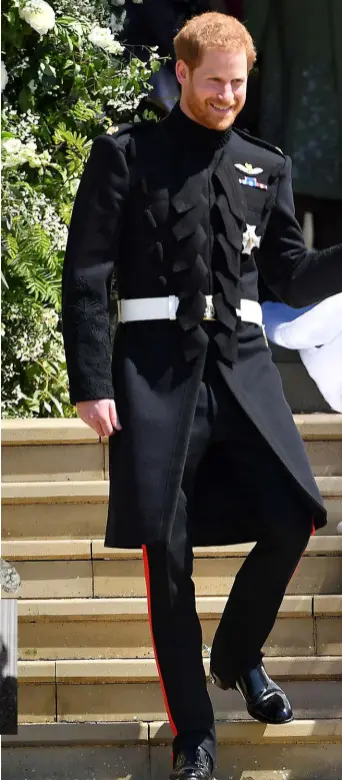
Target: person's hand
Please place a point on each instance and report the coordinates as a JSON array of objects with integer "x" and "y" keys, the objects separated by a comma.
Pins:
[{"x": 100, "y": 415}]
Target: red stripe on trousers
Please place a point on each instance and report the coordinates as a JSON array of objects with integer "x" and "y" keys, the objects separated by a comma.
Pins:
[{"x": 148, "y": 588}]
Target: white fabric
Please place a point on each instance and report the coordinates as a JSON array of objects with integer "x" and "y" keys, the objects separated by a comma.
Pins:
[
  {"x": 137, "y": 309},
  {"x": 316, "y": 331},
  {"x": 303, "y": 328},
  {"x": 250, "y": 311},
  {"x": 324, "y": 364}
]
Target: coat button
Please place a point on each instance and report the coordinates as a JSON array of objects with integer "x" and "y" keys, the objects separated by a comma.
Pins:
[{"x": 162, "y": 280}]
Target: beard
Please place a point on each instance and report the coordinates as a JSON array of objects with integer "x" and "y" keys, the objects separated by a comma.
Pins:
[{"x": 205, "y": 115}]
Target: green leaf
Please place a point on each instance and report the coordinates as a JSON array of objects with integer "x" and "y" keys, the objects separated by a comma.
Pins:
[
  {"x": 4, "y": 280},
  {"x": 50, "y": 70},
  {"x": 57, "y": 403},
  {"x": 25, "y": 99}
]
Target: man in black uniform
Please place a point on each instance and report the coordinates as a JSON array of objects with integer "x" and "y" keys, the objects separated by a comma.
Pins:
[{"x": 203, "y": 447}]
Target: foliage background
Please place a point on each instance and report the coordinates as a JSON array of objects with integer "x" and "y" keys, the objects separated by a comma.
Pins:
[{"x": 60, "y": 89}]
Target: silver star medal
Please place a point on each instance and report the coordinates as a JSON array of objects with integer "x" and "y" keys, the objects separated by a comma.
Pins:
[{"x": 250, "y": 240}]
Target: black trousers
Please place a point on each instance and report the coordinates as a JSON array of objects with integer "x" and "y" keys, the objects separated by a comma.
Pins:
[{"x": 275, "y": 519}]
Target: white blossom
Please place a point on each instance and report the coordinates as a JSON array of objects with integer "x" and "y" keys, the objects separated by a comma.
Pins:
[
  {"x": 4, "y": 76},
  {"x": 16, "y": 153},
  {"x": 102, "y": 37},
  {"x": 137, "y": 1},
  {"x": 118, "y": 2},
  {"x": 39, "y": 15},
  {"x": 11, "y": 145}
]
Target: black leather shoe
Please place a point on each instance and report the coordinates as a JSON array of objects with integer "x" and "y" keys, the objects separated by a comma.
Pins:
[
  {"x": 193, "y": 764},
  {"x": 264, "y": 699}
]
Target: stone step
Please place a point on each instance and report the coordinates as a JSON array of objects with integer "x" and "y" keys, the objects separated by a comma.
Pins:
[
  {"x": 69, "y": 492},
  {"x": 83, "y": 549},
  {"x": 72, "y": 462},
  {"x": 40, "y": 431},
  {"x": 85, "y": 491},
  {"x": 64, "y": 520},
  {"x": 301, "y": 750},
  {"x": 82, "y": 568},
  {"x": 64, "y": 510},
  {"x": 144, "y": 670},
  {"x": 61, "y": 462},
  {"x": 238, "y": 758},
  {"x": 120, "y": 690},
  {"x": 79, "y": 628},
  {"x": 54, "y": 450}
]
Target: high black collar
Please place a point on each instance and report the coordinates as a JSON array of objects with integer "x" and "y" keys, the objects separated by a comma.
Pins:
[{"x": 193, "y": 134}]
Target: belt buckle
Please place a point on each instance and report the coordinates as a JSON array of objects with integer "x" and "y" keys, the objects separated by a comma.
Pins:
[{"x": 209, "y": 313}]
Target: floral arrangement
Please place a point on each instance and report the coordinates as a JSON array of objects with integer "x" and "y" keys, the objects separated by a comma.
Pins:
[{"x": 65, "y": 78}]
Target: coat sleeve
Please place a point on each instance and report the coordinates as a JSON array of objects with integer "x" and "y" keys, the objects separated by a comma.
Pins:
[
  {"x": 298, "y": 276},
  {"x": 91, "y": 254}
]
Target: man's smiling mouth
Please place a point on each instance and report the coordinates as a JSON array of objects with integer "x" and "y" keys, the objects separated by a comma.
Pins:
[{"x": 221, "y": 109}]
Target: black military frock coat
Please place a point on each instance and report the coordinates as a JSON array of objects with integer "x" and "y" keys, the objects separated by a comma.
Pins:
[{"x": 157, "y": 202}]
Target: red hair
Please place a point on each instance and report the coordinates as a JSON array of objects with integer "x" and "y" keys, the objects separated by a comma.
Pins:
[{"x": 212, "y": 30}]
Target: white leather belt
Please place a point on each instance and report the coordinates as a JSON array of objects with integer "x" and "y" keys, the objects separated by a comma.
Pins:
[{"x": 137, "y": 309}]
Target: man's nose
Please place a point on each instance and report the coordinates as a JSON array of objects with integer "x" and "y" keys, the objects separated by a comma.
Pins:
[{"x": 226, "y": 93}]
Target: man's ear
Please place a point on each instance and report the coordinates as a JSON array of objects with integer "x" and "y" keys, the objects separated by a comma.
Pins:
[{"x": 182, "y": 71}]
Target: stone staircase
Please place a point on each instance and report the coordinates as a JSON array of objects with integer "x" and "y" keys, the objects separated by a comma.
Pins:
[{"x": 90, "y": 704}]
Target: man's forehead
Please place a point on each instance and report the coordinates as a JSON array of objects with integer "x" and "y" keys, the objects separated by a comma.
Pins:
[{"x": 216, "y": 60}]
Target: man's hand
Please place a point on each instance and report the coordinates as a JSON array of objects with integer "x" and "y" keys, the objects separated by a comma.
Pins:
[{"x": 100, "y": 415}]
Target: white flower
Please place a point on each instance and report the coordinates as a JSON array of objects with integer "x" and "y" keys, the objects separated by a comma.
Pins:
[
  {"x": 118, "y": 2},
  {"x": 15, "y": 153},
  {"x": 250, "y": 239},
  {"x": 32, "y": 85},
  {"x": 4, "y": 76},
  {"x": 39, "y": 15},
  {"x": 137, "y": 1},
  {"x": 102, "y": 37},
  {"x": 11, "y": 145}
]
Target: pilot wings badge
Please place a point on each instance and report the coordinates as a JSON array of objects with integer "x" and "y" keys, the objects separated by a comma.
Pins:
[{"x": 248, "y": 169}]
